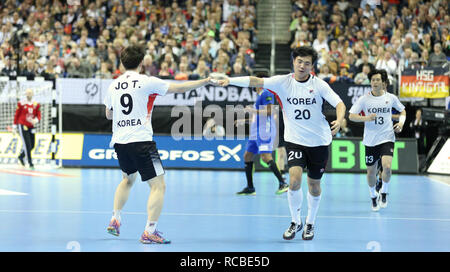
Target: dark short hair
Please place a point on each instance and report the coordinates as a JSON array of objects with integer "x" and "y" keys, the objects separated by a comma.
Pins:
[
  {"x": 132, "y": 56},
  {"x": 382, "y": 72},
  {"x": 304, "y": 51}
]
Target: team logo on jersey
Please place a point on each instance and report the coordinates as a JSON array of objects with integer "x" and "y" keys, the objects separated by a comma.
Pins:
[
  {"x": 311, "y": 91},
  {"x": 322, "y": 170}
]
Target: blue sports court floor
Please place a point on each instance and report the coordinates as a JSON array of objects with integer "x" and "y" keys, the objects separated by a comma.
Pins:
[{"x": 69, "y": 209}]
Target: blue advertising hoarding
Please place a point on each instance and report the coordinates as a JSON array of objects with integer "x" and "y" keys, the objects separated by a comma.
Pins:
[
  {"x": 226, "y": 154},
  {"x": 346, "y": 154}
]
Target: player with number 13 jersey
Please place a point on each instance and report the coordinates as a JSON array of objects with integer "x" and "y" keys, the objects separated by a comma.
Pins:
[{"x": 375, "y": 110}]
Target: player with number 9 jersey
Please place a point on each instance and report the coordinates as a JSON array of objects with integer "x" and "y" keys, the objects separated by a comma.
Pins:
[
  {"x": 129, "y": 104},
  {"x": 133, "y": 118}
]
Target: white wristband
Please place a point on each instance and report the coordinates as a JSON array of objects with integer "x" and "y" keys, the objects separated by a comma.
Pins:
[
  {"x": 240, "y": 81},
  {"x": 402, "y": 119}
]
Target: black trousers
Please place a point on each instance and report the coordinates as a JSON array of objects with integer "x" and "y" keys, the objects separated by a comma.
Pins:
[{"x": 28, "y": 140}]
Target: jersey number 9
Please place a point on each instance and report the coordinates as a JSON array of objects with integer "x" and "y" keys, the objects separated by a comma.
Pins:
[{"x": 127, "y": 103}]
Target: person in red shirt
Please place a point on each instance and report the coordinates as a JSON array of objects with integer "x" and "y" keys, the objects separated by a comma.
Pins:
[{"x": 27, "y": 116}]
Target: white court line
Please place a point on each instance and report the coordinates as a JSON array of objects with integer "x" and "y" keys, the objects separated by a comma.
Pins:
[
  {"x": 229, "y": 215},
  {"x": 8, "y": 192}
]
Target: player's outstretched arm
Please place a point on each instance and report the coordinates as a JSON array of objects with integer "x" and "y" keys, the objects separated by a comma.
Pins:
[
  {"x": 340, "y": 114},
  {"x": 189, "y": 85},
  {"x": 401, "y": 122},
  {"x": 245, "y": 81}
]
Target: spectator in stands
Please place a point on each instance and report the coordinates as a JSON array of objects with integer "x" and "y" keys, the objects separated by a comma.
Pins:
[
  {"x": 445, "y": 40},
  {"x": 78, "y": 69},
  {"x": 10, "y": 69},
  {"x": 237, "y": 70},
  {"x": 405, "y": 61},
  {"x": 202, "y": 70},
  {"x": 386, "y": 62},
  {"x": 416, "y": 62},
  {"x": 321, "y": 43},
  {"x": 362, "y": 78},
  {"x": 104, "y": 71},
  {"x": 30, "y": 70},
  {"x": 183, "y": 73},
  {"x": 344, "y": 75},
  {"x": 165, "y": 72},
  {"x": 300, "y": 40},
  {"x": 437, "y": 58},
  {"x": 364, "y": 60},
  {"x": 149, "y": 67},
  {"x": 325, "y": 72},
  {"x": 426, "y": 43}
]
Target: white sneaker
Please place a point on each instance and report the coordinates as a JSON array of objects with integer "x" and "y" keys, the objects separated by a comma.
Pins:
[
  {"x": 289, "y": 234},
  {"x": 308, "y": 232}
]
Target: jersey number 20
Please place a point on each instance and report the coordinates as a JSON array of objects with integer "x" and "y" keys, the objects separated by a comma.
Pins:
[
  {"x": 306, "y": 114},
  {"x": 127, "y": 103}
]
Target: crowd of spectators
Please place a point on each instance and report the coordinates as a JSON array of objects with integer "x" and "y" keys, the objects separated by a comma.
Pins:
[
  {"x": 193, "y": 38},
  {"x": 354, "y": 37},
  {"x": 183, "y": 39}
]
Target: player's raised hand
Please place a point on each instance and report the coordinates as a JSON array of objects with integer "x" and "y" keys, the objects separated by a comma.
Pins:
[
  {"x": 335, "y": 127},
  {"x": 398, "y": 128},
  {"x": 224, "y": 82},
  {"x": 219, "y": 79}
]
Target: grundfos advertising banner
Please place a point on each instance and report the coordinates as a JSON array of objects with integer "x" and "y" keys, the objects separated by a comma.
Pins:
[
  {"x": 92, "y": 150},
  {"x": 224, "y": 154}
]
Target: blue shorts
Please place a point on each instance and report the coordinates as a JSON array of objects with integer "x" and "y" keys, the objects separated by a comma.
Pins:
[{"x": 258, "y": 147}]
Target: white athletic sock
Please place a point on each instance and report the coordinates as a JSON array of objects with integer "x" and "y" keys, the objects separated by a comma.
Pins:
[
  {"x": 116, "y": 215},
  {"x": 384, "y": 187},
  {"x": 295, "y": 199},
  {"x": 373, "y": 192},
  {"x": 150, "y": 227},
  {"x": 313, "y": 207}
]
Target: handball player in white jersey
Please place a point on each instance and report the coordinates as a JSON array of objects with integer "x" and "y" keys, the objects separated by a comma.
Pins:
[
  {"x": 307, "y": 133},
  {"x": 379, "y": 136},
  {"x": 129, "y": 104}
]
